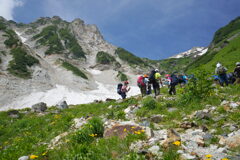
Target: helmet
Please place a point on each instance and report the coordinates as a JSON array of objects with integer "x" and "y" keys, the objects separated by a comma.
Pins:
[
  {"x": 156, "y": 70},
  {"x": 126, "y": 82},
  {"x": 218, "y": 65},
  {"x": 145, "y": 76},
  {"x": 238, "y": 63}
]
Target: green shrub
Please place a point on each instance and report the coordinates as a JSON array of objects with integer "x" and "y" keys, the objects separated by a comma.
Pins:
[
  {"x": 96, "y": 125},
  {"x": 74, "y": 69},
  {"x": 120, "y": 115},
  {"x": 105, "y": 58},
  {"x": 198, "y": 87},
  {"x": 94, "y": 128},
  {"x": 129, "y": 57},
  {"x": 149, "y": 103},
  {"x": 49, "y": 36},
  {"x": 71, "y": 43},
  {"x": 170, "y": 153},
  {"x": 2, "y": 25},
  {"x": 21, "y": 60},
  {"x": 12, "y": 39},
  {"x": 121, "y": 76}
]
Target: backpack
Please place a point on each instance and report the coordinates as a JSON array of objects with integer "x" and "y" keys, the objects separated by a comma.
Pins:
[
  {"x": 174, "y": 80},
  {"x": 221, "y": 70},
  {"x": 140, "y": 81},
  {"x": 237, "y": 72},
  {"x": 180, "y": 78},
  {"x": 152, "y": 76},
  {"x": 119, "y": 88}
]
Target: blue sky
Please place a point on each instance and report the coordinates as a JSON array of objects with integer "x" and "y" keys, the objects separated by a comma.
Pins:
[{"x": 154, "y": 29}]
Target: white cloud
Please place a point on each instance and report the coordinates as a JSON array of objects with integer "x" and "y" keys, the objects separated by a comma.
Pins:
[{"x": 7, "y": 8}]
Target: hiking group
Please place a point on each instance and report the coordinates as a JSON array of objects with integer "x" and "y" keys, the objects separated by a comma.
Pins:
[
  {"x": 223, "y": 77},
  {"x": 154, "y": 80}
]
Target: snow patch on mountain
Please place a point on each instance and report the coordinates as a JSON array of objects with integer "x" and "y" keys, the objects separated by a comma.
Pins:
[
  {"x": 195, "y": 52},
  {"x": 60, "y": 92},
  {"x": 23, "y": 39}
]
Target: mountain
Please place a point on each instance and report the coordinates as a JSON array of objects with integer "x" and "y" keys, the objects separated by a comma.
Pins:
[
  {"x": 224, "y": 48},
  {"x": 194, "y": 52},
  {"x": 50, "y": 59}
]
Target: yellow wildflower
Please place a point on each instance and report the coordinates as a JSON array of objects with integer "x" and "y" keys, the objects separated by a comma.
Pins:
[
  {"x": 177, "y": 143},
  {"x": 137, "y": 132},
  {"x": 33, "y": 157},
  {"x": 208, "y": 159},
  {"x": 142, "y": 130},
  {"x": 92, "y": 135},
  {"x": 57, "y": 116},
  {"x": 208, "y": 155},
  {"x": 44, "y": 154},
  {"x": 132, "y": 127},
  {"x": 225, "y": 159},
  {"x": 125, "y": 130}
]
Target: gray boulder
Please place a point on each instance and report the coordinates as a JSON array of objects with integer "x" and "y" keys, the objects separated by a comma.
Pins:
[
  {"x": 62, "y": 105},
  {"x": 39, "y": 107},
  {"x": 202, "y": 115},
  {"x": 156, "y": 118}
]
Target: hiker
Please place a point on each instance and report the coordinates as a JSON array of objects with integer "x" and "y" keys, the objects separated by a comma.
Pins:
[
  {"x": 185, "y": 79},
  {"x": 156, "y": 80},
  {"x": 125, "y": 89},
  {"x": 221, "y": 71},
  {"x": 237, "y": 73},
  {"x": 168, "y": 80},
  {"x": 231, "y": 78},
  {"x": 141, "y": 82},
  {"x": 173, "y": 83},
  {"x": 148, "y": 85},
  {"x": 180, "y": 80}
]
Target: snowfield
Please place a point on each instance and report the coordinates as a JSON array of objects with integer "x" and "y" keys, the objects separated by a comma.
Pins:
[
  {"x": 23, "y": 39},
  {"x": 59, "y": 93}
]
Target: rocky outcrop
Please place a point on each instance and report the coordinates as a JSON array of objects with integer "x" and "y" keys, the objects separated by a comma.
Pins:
[{"x": 39, "y": 107}]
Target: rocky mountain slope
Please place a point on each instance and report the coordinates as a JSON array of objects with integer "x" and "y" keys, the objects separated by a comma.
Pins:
[{"x": 60, "y": 58}]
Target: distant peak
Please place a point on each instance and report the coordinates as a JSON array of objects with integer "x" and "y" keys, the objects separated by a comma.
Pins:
[
  {"x": 56, "y": 18},
  {"x": 78, "y": 20}
]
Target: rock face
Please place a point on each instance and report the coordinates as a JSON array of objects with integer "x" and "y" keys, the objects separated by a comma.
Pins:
[
  {"x": 49, "y": 80},
  {"x": 62, "y": 105},
  {"x": 39, "y": 107}
]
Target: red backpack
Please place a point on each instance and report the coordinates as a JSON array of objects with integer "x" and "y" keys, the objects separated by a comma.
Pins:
[{"x": 140, "y": 82}]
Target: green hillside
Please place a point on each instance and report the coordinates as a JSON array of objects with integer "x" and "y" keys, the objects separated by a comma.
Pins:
[
  {"x": 225, "y": 48},
  {"x": 174, "y": 64}
]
